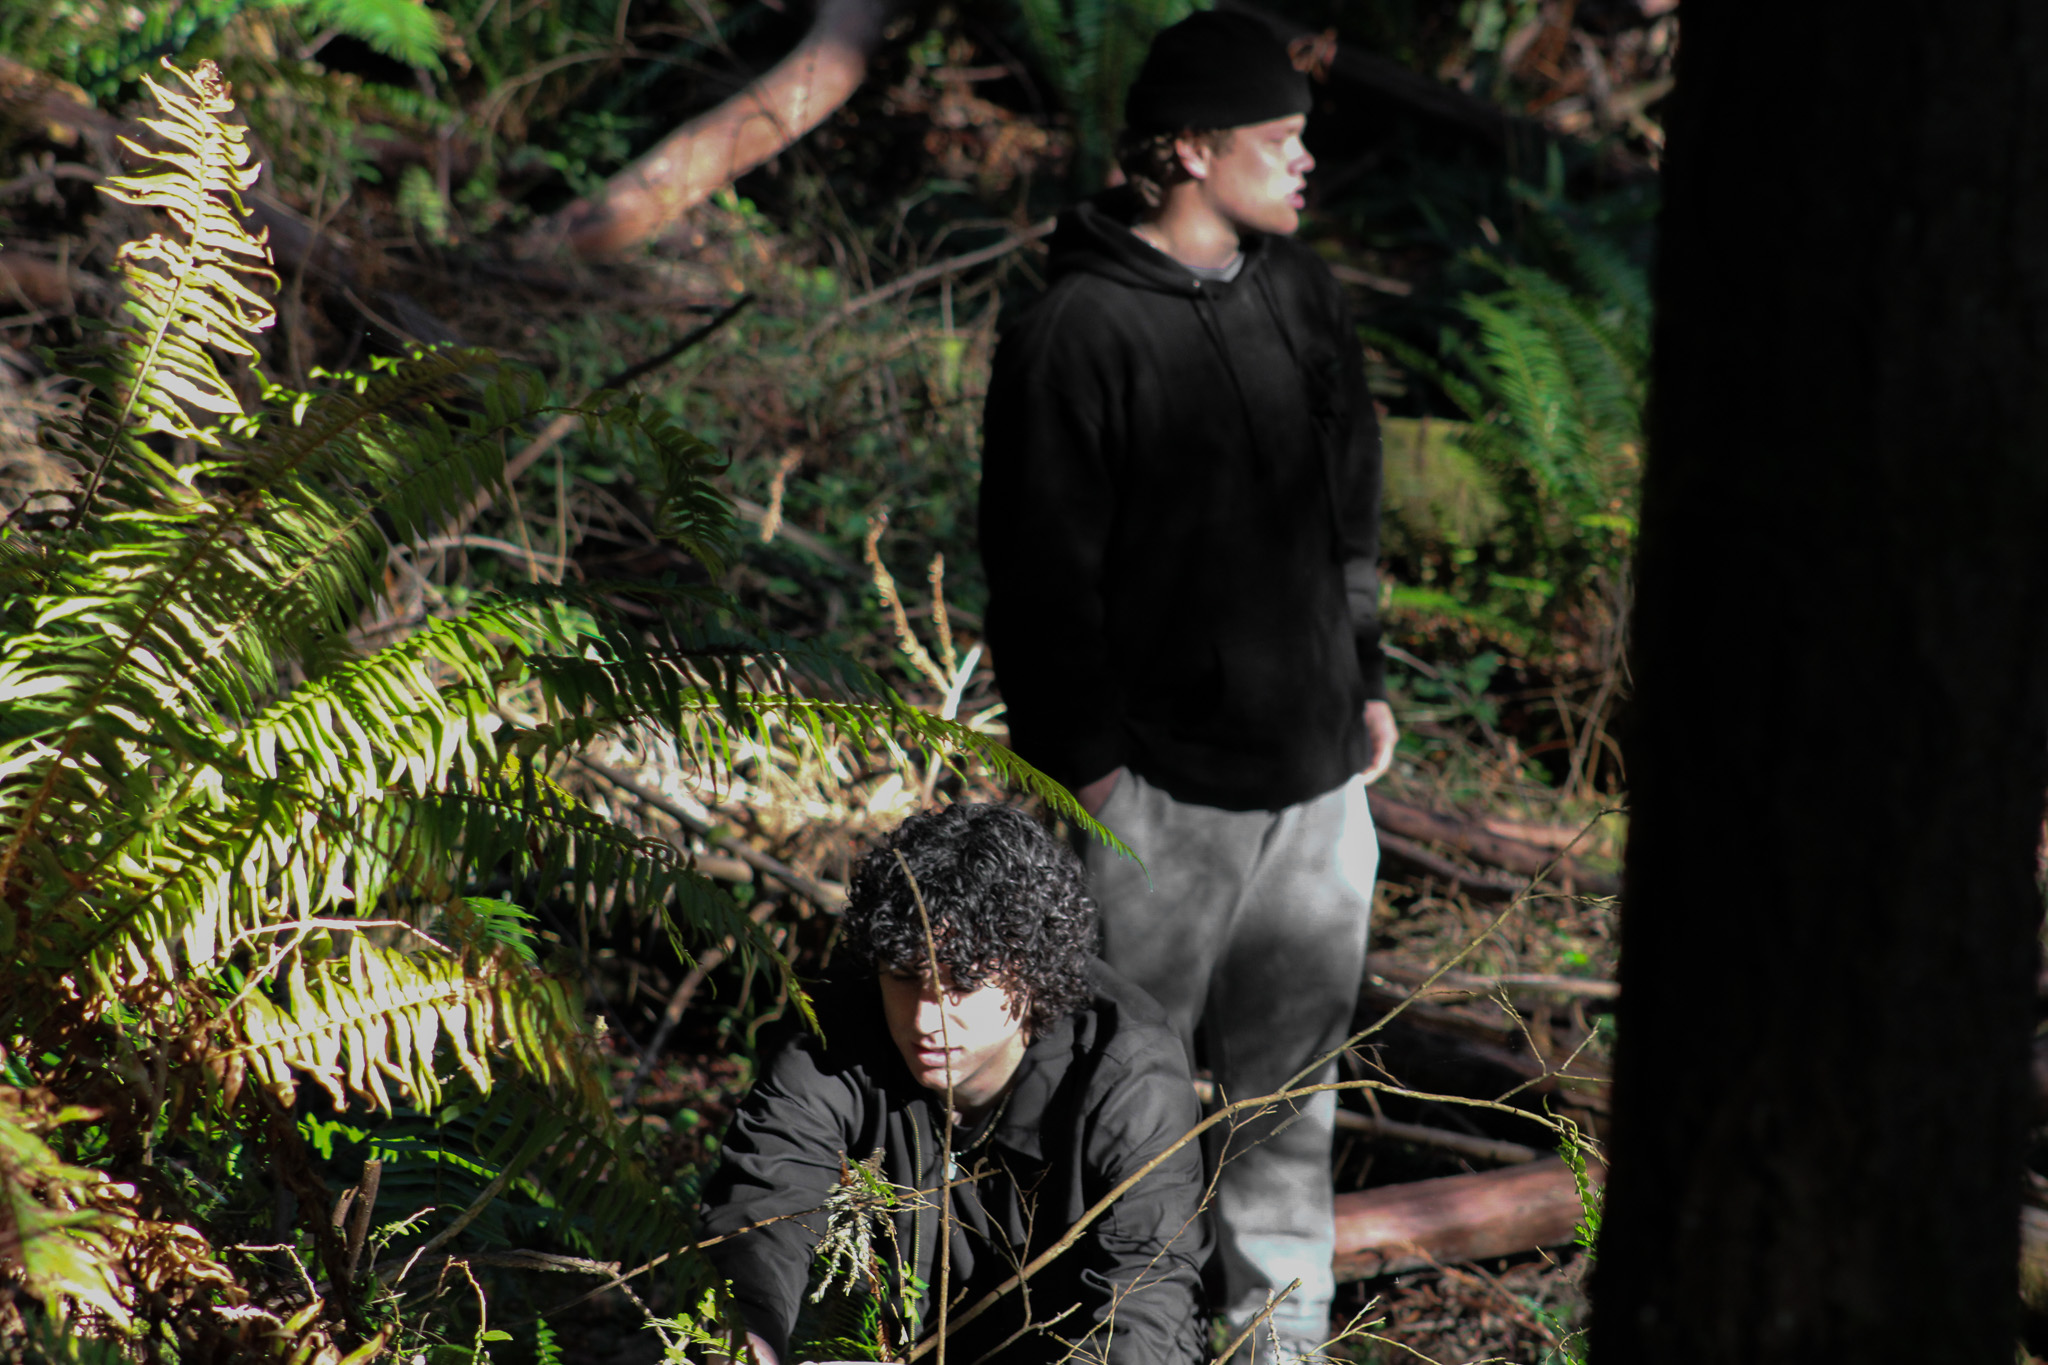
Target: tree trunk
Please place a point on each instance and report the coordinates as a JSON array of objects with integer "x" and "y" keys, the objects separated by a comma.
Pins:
[{"x": 1838, "y": 752}]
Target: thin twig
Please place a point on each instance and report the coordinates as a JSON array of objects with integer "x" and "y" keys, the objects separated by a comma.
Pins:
[
  {"x": 931, "y": 957},
  {"x": 677, "y": 1003},
  {"x": 565, "y": 422},
  {"x": 1273, "y": 1301},
  {"x": 824, "y": 895},
  {"x": 952, "y": 265}
]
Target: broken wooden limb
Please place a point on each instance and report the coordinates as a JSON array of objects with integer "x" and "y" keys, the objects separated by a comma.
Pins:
[
  {"x": 1490, "y": 885},
  {"x": 1451, "y": 1050},
  {"x": 1453, "y": 984},
  {"x": 1367, "y": 1125},
  {"x": 1456, "y": 1218},
  {"x": 1476, "y": 841},
  {"x": 714, "y": 149},
  {"x": 34, "y": 282},
  {"x": 1464, "y": 1144}
]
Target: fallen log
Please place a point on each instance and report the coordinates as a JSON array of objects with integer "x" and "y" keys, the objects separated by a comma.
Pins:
[
  {"x": 1476, "y": 841},
  {"x": 1456, "y": 1218},
  {"x": 1541, "y": 833},
  {"x": 714, "y": 149}
]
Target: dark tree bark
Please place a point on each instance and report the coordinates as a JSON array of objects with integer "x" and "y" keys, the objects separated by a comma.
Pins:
[{"x": 1840, "y": 748}]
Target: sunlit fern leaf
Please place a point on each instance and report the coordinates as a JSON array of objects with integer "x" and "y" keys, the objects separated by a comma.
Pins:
[
  {"x": 232, "y": 833},
  {"x": 370, "y": 1015},
  {"x": 1552, "y": 379},
  {"x": 194, "y": 289}
]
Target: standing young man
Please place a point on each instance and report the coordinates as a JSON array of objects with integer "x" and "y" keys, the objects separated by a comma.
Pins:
[{"x": 1180, "y": 521}]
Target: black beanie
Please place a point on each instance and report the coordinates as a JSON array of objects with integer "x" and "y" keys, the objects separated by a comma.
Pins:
[{"x": 1214, "y": 70}]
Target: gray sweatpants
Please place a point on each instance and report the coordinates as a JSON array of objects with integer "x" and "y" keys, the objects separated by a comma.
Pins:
[{"x": 1253, "y": 927}]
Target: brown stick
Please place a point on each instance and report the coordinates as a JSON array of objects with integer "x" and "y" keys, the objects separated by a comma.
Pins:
[
  {"x": 1473, "y": 983},
  {"x": 714, "y": 149},
  {"x": 692, "y": 982}
]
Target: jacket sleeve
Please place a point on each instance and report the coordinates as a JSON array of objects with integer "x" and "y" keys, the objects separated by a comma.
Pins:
[
  {"x": 1048, "y": 501},
  {"x": 1141, "y": 1278},
  {"x": 782, "y": 1156},
  {"x": 1359, "y": 515}
]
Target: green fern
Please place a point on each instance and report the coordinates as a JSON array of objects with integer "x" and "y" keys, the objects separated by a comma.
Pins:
[
  {"x": 406, "y": 30},
  {"x": 1552, "y": 382},
  {"x": 240, "y": 851}
]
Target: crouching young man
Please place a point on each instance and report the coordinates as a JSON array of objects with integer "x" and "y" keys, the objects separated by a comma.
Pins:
[{"x": 1064, "y": 1079}]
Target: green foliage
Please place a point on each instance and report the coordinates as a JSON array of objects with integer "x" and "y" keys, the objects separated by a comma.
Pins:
[
  {"x": 1092, "y": 49},
  {"x": 405, "y": 30},
  {"x": 1531, "y": 501},
  {"x": 420, "y": 205},
  {"x": 105, "y": 47},
  {"x": 247, "y": 825},
  {"x": 1591, "y": 1197}
]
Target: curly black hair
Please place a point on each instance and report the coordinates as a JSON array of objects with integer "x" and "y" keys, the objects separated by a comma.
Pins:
[{"x": 1005, "y": 900}]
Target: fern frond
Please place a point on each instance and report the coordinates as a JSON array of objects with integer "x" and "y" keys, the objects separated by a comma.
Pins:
[
  {"x": 376, "y": 1014},
  {"x": 193, "y": 290}
]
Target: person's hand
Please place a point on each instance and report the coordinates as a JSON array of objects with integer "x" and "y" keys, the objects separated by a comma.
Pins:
[
  {"x": 763, "y": 1354},
  {"x": 1381, "y": 735},
  {"x": 1092, "y": 795}
]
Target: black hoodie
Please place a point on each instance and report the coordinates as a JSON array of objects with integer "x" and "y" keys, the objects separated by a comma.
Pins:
[
  {"x": 1180, "y": 519},
  {"x": 1102, "y": 1093}
]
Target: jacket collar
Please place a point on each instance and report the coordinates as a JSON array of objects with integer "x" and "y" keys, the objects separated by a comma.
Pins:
[{"x": 1045, "y": 1065}]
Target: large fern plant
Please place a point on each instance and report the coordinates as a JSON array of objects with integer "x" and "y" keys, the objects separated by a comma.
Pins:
[
  {"x": 246, "y": 844},
  {"x": 1550, "y": 373}
]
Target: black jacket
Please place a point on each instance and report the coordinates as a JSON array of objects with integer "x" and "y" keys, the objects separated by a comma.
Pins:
[
  {"x": 1099, "y": 1095},
  {"x": 1179, "y": 521}
]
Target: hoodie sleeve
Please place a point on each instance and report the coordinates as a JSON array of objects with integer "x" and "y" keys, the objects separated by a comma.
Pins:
[
  {"x": 1047, "y": 505},
  {"x": 781, "y": 1157}
]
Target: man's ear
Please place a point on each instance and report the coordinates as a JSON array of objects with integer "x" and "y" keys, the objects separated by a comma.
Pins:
[{"x": 1194, "y": 157}]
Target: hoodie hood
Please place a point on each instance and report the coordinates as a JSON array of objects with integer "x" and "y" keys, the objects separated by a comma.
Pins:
[{"x": 1094, "y": 237}]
